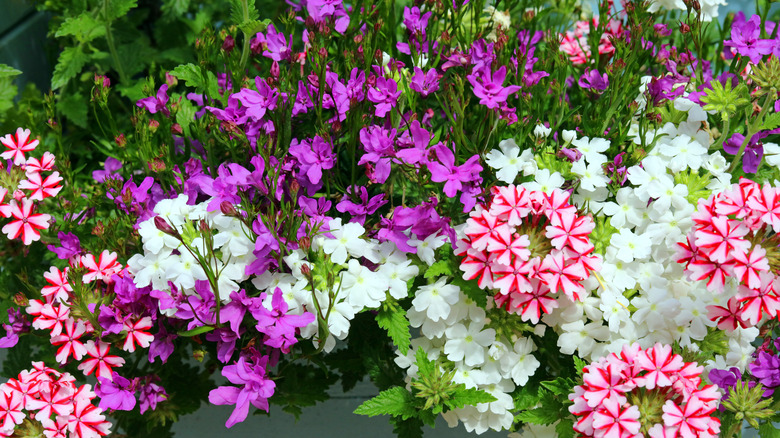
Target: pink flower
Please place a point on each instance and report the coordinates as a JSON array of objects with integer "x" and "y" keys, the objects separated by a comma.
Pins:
[
  {"x": 26, "y": 224},
  {"x": 11, "y": 407},
  {"x": 722, "y": 239},
  {"x": 748, "y": 267},
  {"x": 661, "y": 363},
  {"x": 136, "y": 334},
  {"x": 103, "y": 268},
  {"x": 17, "y": 145},
  {"x": 41, "y": 188},
  {"x": 100, "y": 360},
  {"x": 616, "y": 421},
  {"x": 728, "y": 318},
  {"x": 69, "y": 342},
  {"x": 763, "y": 299},
  {"x": 690, "y": 419},
  {"x": 87, "y": 420},
  {"x": 58, "y": 289},
  {"x": 45, "y": 164}
]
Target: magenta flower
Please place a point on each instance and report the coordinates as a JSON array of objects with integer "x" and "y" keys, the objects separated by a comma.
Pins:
[
  {"x": 277, "y": 46},
  {"x": 115, "y": 393},
  {"x": 313, "y": 155},
  {"x": 489, "y": 87},
  {"x": 745, "y": 39},
  {"x": 364, "y": 207},
  {"x": 384, "y": 95},
  {"x": 255, "y": 388},
  {"x": 415, "y": 21},
  {"x": 277, "y": 324},
  {"x": 594, "y": 82},
  {"x": 451, "y": 175},
  {"x": 153, "y": 104},
  {"x": 260, "y": 101},
  {"x": 424, "y": 83}
]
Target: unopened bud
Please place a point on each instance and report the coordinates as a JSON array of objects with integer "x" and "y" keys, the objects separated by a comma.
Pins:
[
  {"x": 295, "y": 186},
  {"x": 99, "y": 229},
  {"x": 120, "y": 140},
  {"x": 227, "y": 209},
  {"x": 171, "y": 80},
  {"x": 305, "y": 270},
  {"x": 684, "y": 28},
  {"x": 176, "y": 129},
  {"x": 275, "y": 70},
  {"x": 21, "y": 300},
  {"x": 305, "y": 243},
  {"x": 198, "y": 355},
  {"x": 153, "y": 125},
  {"x": 323, "y": 52},
  {"x": 164, "y": 226},
  {"x": 204, "y": 226},
  {"x": 358, "y": 38},
  {"x": 228, "y": 44}
]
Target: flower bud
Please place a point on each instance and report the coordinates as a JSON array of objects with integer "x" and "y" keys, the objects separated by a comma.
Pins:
[
  {"x": 227, "y": 209},
  {"x": 294, "y": 186},
  {"x": 275, "y": 70},
  {"x": 305, "y": 243},
  {"x": 153, "y": 125},
  {"x": 171, "y": 80},
  {"x": 684, "y": 28},
  {"x": 228, "y": 44},
  {"x": 21, "y": 300},
  {"x": 305, "y": 270},
  {"x": 164, "y": 226},
  {"x": 176, "y": 129},
  {"x": 120, "y": 140}
]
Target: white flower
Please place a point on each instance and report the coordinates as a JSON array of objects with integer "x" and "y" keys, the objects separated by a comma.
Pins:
[
  {"x": 155, "y": 240},
  {"x": 468, "y": 344},
  {"x": 591, "y": 175},
  {"x": 545, "y": 181},
  {"x": 520, "y": 364},
  {"x": 363, "y": 287},
  {"x": 542, "y": 131},
  {"x": 615, "y": 309},
  {"x": 628, "y": 208},
  {"x": 684, "y": 152},
  {"x": 397, "y": 274},
  {"x": 346, "y": 239},
  {"x": 509, "y": 163},
  {"x": 630, "y": 246},
  {"x": 427, "y": 247},
  {"x": 772, "y": 154},
  {"x": 647, "y": 177},
  {"x": 592, "y": 148},
  {"x": 184, "y": 270},
  {"x": 436, "y": 299},
  {"x": 579, "y": 336}
]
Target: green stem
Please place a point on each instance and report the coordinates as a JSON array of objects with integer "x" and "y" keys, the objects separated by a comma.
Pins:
[
  {"x": 112, "y": 46},
  {"x": 753, "y": 129},
  {"x": 245, "y": 48}
]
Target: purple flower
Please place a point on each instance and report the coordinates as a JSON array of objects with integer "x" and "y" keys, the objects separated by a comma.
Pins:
[
  {"x": 260, "y": 101},
  {"x": 415, "y": 21},
  {"x": 255, "y": 388},
  {"x": 725, "y": 379},
  {"x": 489, "y": 87},
  {"x": 115, "y": 393},
  {"x": 302, "y": 100},
  {"x": 418, "y": 140},
  {"x": 70, "y": 249},
  {"x": 745, "y": 38},
  {"x": 338, "y": 97},
  {"x": 162, "y": 345},
  {"x": 451, "y": 175},
  {"x": 111, "y": 166},
  {"x": 17, "y": 323},
  {"x": 754, "y": 151},
  {"x": 384, "y": 95},
  {"x": 226, "y": 342},
  {"x": 278, "y": 326},
  {"x": 365, "y": 207},
  {"x": 313, "y": 155},
  {"x": 378, "y": 143},
  {"x": 233, "y": 113},
  {"x": 320, "y": 10},
  {"x": 278, "y": 48},
  {"x": 156, "y": 103},
  {"x": 593, "y": 81},
  {"x": 424, "y": 83},
  {"x": 766, "y": 368},
  {"x": 231, "y": 177},
  {"x": 150, "y": 395}
]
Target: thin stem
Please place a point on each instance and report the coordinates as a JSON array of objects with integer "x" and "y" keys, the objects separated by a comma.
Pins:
[
  {"x": 753, "y": 129},
  {"x": 112, "y": 46},
  {"x": 245, "y": 48}
]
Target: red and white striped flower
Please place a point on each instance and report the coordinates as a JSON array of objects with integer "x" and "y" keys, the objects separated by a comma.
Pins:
[
  {"x": 530, "y": 246},
  {"x": 69, "y": 342},
  {"x": 655, "y": 382},
  {"x": 137, "y": 334},
  {"x": 100, "y": 360},
  {"x": 41, "y": 188},
  {"x": 26, "y": 224},
  {"x": 17, "y": 145},
  {"x": 102, "y": 268}
]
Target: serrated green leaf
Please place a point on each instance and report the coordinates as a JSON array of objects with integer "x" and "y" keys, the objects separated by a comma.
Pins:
[
  {"x": 771, "y": 122},
  {"x": 471, "y": 290},
  {"x": 393, "y": 320},
  {"x": 526, "y": 398},
  {"x": 185, "y": 116},
  {"x": 441, "y": 267},
  {"x": 542, "y": 416},
  {"x": 8, "y": 71},
  {"x": 119, "y": 8},
  {"x": 74, "y": 108},
  {"x": 579, "y": 365},
  {"x": 409, "y": 428},
  {"x": 396, "y": 401},
  {"x": 468, "y": 396},
  {"x": 559, "y": 386},
  {"x": 565, "y": 429},
  {"x": 196, "y": 331},
  {"x": 251, "y": 27},
  {"x": 83, "y": 27},
  {"x": 425, "y": 367},
  {"x": 7, "y": 93},
  {"x": 70, "y": 63},
  {"x": 189, "y": 73},
  {"x": 768, "y": 430}
]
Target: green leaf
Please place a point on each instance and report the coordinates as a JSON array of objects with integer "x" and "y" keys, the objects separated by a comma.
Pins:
[
  {"x": 425, "y": 367},
  {"x": 186, "y": 115},
  {"x": 396, "y": 401},
  {"x": 471, "y": 290},
  {"x": 559, "y": 386},
  {"x": 579, "y": 364},
  {"x": 392, "y": 318},
  {"x": 548, "y": 412},
  {"x": 527, "y": 397},
  {"x": 7, "y": 93},
  {"x": 8, "y": 71},
  {"x": 768, "y": 430},
  {"x": 300, "y": 386},
  {"x": 70, "y": 63},
  {"x": 196, "y": 331},
  {"x": 83, "y": 27},
  {"x": 74, "y": 108},
  {"x": 441, "y": 267},
  {"x": 565, "y": 428},
  {"x": 251, "y": 27},
  {"x": 191, "y": 74},
  {"x": 468, "y": 396},
  {"x": 409, "y": 428},
  {"x": 119, "y": 8},
  {"x": 771, "y": 122}
]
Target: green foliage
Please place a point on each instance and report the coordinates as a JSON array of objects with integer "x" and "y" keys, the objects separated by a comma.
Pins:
[
  {"x": 771, "y": 121},
  {"x": 392, "y": 317},
  {"x": 302, "y": 385},
  {"x": 69, "y": 64},
  {"x": 84, "y": 27},
  {"x": 6, "y": 71},
  {"x": 114, "y": 9},
  {"x": 395, "y": 401},
  {"x": 768, "y": 430}
]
